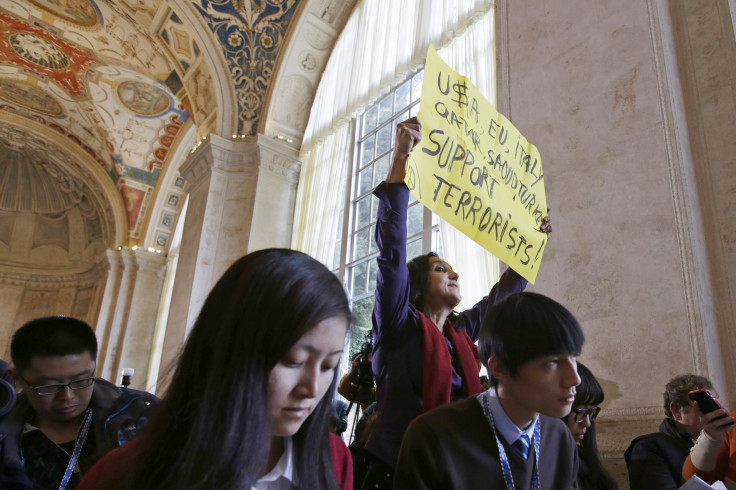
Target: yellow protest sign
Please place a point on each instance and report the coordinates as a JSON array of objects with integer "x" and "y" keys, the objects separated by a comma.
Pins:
[{"x": 477, "y": 171}]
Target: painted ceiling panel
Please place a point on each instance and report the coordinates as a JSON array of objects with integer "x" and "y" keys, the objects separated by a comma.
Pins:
[
  {"x": 251, "y": 33},
  {"x": 121, "y": 79},
  {"x": 91, "y": 72}
]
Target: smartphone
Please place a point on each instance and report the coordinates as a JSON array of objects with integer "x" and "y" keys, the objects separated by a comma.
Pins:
[{"x": 707, "y": 402}]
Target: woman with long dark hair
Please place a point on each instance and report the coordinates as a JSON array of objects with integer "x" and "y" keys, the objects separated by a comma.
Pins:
[
  {"x": 250, "y": 401},
  {"x": 581, "y": 422},
  {"x": 424, "y": 353}
]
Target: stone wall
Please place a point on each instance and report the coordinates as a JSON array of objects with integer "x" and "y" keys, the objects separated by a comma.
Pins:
[{"x": 631, "y": 105}]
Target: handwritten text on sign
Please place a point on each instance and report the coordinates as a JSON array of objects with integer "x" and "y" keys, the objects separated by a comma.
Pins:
[{"x": 476, "y": 170}]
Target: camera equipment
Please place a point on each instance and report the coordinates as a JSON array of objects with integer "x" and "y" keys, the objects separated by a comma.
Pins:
[
  {"x": 362, "y": 380},
  {"x": 7, "y": 397},
  {"x": 127, "y": 374},
  {"x": 7, "y": 390},
  {"x": 363, "y": 376}
]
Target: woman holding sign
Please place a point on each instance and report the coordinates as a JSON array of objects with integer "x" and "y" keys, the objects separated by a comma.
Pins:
[{"x": 424, "y": 354}]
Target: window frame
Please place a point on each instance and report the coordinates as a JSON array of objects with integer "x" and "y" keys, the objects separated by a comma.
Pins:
[{"x": 427, "y": 236}]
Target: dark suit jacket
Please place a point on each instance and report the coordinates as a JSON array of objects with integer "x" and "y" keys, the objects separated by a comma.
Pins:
[
  {"x": 453, "y": 446},
  {"x": 655, "y": 460}
]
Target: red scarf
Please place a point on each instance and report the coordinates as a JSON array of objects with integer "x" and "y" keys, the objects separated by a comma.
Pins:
[{"x": 437, "y": 374}]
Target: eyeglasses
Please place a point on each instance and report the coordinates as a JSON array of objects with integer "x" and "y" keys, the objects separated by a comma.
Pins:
[
  {"x": 581, "y": 413},
  {"x": 45, "y": 390}
]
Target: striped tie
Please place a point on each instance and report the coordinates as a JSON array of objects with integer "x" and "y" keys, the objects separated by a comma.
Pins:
[{"x": 521, "y": 445}]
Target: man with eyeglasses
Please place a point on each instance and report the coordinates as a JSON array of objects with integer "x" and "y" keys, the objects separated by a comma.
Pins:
[
  {"x": 65, "y": 418},
  {"x": 655, "y": 460}
]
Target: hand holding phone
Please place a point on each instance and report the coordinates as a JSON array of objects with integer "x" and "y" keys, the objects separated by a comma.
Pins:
[{"x": 707, "y": 402}]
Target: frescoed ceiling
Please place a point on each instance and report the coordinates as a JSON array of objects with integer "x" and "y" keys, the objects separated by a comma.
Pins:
[{"x": 124, "y": 84}]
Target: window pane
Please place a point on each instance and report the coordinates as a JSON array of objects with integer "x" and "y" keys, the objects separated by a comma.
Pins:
[
  {"x": 416, "y": 86},
  {"x": 437, "y": 242},
  {"x": 359, "y": 274},
  {"x": 372, "y": 270},
  {"x": 363, "y": 212},
  {"x": 415, "y": 219},
  {"x": 366, "y": 150},
  {"x": 413, "y": 249},
  {"x": 374, "y": 246},
  {"x": 369, "y": 120},
  {"x": 365, "y": 180},
  {"x": 362, "y": 241},
  {"x": 385, "y": 109},
  {"x": 384, "y": 140},
  {"x": 374, "y": 214},
  {"x": 362, "y": 310},
  {"x": 381, "y": 169},
  {"x": 336, "y": 255},
  {"x": 403, "y": 95}
]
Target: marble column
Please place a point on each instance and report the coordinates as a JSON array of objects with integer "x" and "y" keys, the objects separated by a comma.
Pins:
[
  {"x": 241, "y": 198},
  {"x": 107, "y": 309},
  {"x": 138, "y": 339},
  {"x": 120, "y": 310}
]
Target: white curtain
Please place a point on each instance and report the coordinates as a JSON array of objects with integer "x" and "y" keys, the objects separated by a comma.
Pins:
[
  {"x": 319, "y": 196},
  {"x": 383, "y": 42}
]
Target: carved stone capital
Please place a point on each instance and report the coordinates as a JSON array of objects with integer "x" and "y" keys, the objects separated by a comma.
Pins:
[
  {"x": 150, "y": 262},
  {"x": 279, "y": 158}
]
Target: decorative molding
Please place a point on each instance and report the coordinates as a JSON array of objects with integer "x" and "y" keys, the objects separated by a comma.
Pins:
[
  {"x": 299, "y": 66},
  {"x": 197, "y": 165},
  {"x": 98, "y": 185},
  {"x": 55, "y": 280}
]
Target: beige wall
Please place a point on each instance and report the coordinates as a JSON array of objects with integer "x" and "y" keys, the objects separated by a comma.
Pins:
[
  {"x": 24, "y": 297},
  {"x": 631, "y": 105}
]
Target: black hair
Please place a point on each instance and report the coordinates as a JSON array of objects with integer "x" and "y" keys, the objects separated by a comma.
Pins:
[
  {"x": 525, "y": 326},
  {"x": 676, "y": 390},
  {"x": 51, "y": 336},
  {"x": 592, "y": 475},
  {"x": 589, "y": 391},
  {"x": 419, "y": 270},
  {"x": 418, "y": 278},
  {"x": 212, "y": 429}
]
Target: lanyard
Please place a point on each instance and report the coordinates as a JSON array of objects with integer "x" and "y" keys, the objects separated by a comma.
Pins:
[
  {"x": 77, "y": 449},
  {"x": 507, "y": 477}
]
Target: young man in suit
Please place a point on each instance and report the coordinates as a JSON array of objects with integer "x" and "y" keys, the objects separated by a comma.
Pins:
[{"x": 510, "y": 436}]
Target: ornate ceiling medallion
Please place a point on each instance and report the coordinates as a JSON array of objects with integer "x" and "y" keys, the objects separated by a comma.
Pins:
[
  {"x": 80, "y": 12},
  {"x": 38, "y": 50},
  {"x": 30, "y": 97},
  {"x": 143, "y": 98},
  {"x": 30, "y": 47}
]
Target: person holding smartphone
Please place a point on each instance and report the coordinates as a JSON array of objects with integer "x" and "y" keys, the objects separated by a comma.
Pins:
[
  {"x": 713, "y": 457},
  {"x": 655, "y": 460}
]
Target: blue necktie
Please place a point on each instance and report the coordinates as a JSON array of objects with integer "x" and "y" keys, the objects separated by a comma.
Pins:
[{"x": 521, "y": 445}]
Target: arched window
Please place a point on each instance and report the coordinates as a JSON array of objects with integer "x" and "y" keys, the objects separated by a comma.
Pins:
[{"x": 373, "y": 81}]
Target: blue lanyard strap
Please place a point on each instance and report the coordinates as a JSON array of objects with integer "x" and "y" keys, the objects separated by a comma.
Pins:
[
  {"x": 77, "y": 449},
  {"x": 507, "y": 477}
]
